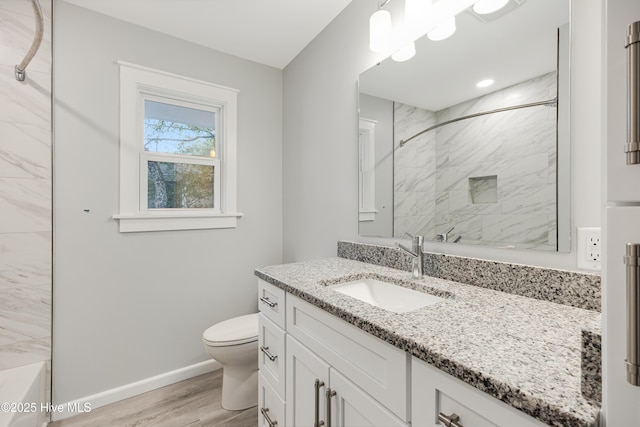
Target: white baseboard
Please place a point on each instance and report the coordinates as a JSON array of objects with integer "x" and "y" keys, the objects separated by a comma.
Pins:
[{"x": 86, "y": 404}]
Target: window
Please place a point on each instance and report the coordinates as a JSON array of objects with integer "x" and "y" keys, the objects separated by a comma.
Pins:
[{"x": 177, "y": 152}]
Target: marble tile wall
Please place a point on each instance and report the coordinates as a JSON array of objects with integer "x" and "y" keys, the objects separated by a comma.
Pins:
[
  {"x": 25, "y": 189},
  {"x": 515, "y": 147},
  {"x": 414, "y": 172}
]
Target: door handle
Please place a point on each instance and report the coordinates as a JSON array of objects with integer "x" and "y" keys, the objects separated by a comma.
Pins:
[
  {"x": 329, "y": 395},
  {"x": 267, "y": 301},
  {"x": 265, "y": 414},
  {"x": 316, "y": 387},
  {"x": 265, "y": 350},
  {"x": 632, "y": 260},
  {"x": 452, "y": 420}
]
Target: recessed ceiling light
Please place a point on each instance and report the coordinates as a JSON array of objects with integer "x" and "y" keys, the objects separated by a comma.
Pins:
[
  {"x": 484, "y": 7},
  {"x": 485, "y": 83}
]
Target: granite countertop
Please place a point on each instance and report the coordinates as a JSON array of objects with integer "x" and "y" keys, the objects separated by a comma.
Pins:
[{"x": 523, "y": 351}]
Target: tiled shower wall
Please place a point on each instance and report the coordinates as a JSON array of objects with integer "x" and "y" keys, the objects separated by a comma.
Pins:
[
  {"x": 494, "y": 176},
  {"x": 25, "y": 189}
]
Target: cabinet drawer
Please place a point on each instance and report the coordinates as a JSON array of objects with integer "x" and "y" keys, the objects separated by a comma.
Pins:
[
  {"x": 270, "y": 405},
  {"x": 434, "y": 391},
  {"x": 271, "y": 302},
  {"x": 370, "y": 363},
  {"x": 271, "y": 358}
]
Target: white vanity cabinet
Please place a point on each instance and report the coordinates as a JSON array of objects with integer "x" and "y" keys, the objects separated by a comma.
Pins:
[
  {"x": 318, "y": 394},
  {"x": 271, "y": 356},
  {"x": 331, "y": 363},
  {"x": 435, "y": 392},
  {"x": 319, "y": 370}
]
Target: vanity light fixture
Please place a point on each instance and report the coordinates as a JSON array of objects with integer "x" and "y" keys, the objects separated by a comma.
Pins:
[
  {"x": 444, "y": 30},
  {"x": 406, "y": 53},
  {"x": 485, "y": 83},
  {"x": 380, "y": 31},
  {"x": 437, "y": 20},
  {"x": 485, "y": 7}
]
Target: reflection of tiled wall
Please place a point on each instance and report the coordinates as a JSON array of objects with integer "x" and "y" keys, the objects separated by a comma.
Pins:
[
  {"x": 25, "y": 189},
  {"x": 414, "y": 172},
  {"x": 518, "y": 147}
]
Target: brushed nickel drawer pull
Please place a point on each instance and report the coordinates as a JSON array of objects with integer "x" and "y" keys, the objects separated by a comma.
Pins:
[
  {"x": 266, "y": 417},
  {"x": 330, "y": 394},
  {"x": 268, "y": 302},
  {"x": 265, "y": 350},
  {"x": 316, "y": 387},
  {"x": 450, "y": 420}
]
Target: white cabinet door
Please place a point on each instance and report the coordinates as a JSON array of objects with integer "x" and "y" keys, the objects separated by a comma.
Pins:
[
  {"x": 433, "y": 391},
  {"x": 351, "y": 406},
  {"x": 270, "y": 406},
  {"x": 620, "y": 178},
  {"x": 621, "y": 399},
  {"x": 305, "y": 400}
]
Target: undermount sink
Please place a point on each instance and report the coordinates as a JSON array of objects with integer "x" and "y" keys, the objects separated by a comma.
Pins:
[{"x": 386, "y": 295}]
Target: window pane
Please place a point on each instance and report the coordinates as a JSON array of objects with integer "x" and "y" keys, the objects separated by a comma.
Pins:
[
  {"x": 179, "y": 185},
  {"x": 178, "y": 130}
]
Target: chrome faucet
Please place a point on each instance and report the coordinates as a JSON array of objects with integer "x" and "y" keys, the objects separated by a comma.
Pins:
[
  {"x": 444, "y": 237},
  {"x": 417, "y": 253}
]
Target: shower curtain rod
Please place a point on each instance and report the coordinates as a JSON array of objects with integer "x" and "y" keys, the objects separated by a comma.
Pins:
[
  {"x": 552, "y": 102},
  {"x": 20, "y": 69}
]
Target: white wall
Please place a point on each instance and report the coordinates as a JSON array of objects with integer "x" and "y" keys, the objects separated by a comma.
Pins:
[
  {"x": 131, "y": 306},
  {"x": 320, "y": 134}
]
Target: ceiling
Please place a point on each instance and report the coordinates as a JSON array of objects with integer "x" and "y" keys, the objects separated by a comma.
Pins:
[{"x": 269, "y": 32}]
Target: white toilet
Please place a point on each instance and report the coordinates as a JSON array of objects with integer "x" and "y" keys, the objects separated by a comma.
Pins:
[{"x": 234, "y": 343}]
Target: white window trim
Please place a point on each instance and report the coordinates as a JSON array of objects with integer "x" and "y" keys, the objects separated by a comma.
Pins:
[
  {"x": 136, "y": 82},
  {"x": 367, "y": 166}
]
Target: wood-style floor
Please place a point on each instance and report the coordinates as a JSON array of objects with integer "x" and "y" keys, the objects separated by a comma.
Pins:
[{"x": 194, "y": 403}]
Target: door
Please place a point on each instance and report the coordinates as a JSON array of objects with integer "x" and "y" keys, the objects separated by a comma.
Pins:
[
  {"x": 307, "y": 378},
  {"x": 352, "y": 407},
  {"x": 621, "y": 399},
  {"x": 621, "y": 223}
]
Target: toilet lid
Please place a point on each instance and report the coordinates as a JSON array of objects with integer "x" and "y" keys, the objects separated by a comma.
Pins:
[{"x": 238, "y": 330}]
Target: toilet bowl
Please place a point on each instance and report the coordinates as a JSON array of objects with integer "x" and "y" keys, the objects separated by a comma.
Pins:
[{"x": 234, "y": 343}]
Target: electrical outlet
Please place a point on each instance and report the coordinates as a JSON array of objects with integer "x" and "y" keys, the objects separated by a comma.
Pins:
[{"x": 589, "y": 248}]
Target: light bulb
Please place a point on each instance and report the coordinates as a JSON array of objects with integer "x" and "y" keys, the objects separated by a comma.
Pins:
[
  {"x": 444, "y": 30},
  {"x": 212, "y": 153},
  {"x": 380, "y": 31},
  {"x": 485, "y": 83},
  {"x": 416, "y": 14},
  {"x": 405, "y": 53},
  {"x": 484, "y": 7}
]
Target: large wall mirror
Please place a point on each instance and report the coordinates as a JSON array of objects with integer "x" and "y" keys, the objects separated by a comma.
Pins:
[{"x": 446, "y": 159}]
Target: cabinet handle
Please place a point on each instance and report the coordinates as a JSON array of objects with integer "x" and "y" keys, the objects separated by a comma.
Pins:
[
  {"x": 632, "y": 260},
  {"x": 632, "y": 148},
  {"x": 450, "y": 421},
  {"x": 268, "y": 302},
  {"x": 330, "y": 394},
  {"x": 316, "y": 387},
  {"x": 265, "y": 350},
  {"x": 267, "y": 418}
]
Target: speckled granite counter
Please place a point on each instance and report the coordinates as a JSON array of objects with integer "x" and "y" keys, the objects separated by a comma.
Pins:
[{"x": 523, "y": 351}]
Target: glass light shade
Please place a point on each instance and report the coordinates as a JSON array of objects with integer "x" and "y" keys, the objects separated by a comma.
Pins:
[
  {"x": 485, "y": 83},
  {"x": 416, "y": 14},
  {"x": 484, "y": 7},
  {"x": 380, "y": 31},
  {"x": 405, "y": 53},
  {"x": 444, "y": 30}
]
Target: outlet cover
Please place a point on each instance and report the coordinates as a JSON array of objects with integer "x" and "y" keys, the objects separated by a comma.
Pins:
[{"x": 589, "y": 248}]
